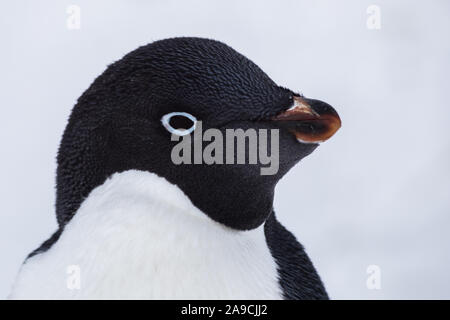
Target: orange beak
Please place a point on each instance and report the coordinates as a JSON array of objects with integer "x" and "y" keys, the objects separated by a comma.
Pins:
[{"x": 311, "y": 121}]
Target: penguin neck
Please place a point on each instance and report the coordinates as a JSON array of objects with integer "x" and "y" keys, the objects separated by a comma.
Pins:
[
  {"x": 141, "y": 188},
  {"x": 139, "y": 227},
  {"x": 149, "y": 194}
]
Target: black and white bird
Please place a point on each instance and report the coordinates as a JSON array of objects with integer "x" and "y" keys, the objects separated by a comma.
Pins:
[{"x": 138, "y": 226}]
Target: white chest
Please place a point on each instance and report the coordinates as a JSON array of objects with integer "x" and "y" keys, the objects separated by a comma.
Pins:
[{"x": 139, "y": 237}]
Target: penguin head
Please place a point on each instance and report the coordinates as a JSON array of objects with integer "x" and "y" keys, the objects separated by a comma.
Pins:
[{"x": 126, "y": 118}]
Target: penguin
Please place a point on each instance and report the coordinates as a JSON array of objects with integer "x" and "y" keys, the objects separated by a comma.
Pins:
[{"x": 134, "y": 225}]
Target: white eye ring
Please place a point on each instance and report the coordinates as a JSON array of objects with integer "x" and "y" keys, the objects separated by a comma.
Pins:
[{"x": 166, "y": 123}]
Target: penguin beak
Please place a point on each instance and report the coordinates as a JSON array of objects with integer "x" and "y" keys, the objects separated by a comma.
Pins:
[{"x": 310, "y": 121}]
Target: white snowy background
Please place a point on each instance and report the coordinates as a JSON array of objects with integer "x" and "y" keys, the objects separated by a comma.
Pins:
[{"x": 377, "y": 193}]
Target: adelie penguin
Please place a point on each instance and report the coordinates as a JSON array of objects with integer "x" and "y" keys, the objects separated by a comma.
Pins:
[{"x": 134, "y": 225}]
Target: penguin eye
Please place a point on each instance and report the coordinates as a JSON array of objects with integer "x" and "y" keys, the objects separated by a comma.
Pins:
[{"x": 179, "y": 123}]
